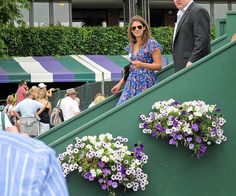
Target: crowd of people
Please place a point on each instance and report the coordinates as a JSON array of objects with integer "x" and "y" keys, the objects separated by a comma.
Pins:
[{"x": 30, "y": 109}]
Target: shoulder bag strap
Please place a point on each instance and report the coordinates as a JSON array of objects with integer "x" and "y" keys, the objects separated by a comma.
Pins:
[
  {"x": 3, "y": 121},
  {"x": 59, "y": 103}
]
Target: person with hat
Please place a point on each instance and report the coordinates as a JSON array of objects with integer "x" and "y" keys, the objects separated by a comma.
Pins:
[
  {"x": 44, "y": 87},
  {"x": 69, "y": 105}
]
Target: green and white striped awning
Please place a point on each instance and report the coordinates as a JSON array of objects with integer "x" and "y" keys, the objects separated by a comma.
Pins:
[{"x": 73, "y": 68}]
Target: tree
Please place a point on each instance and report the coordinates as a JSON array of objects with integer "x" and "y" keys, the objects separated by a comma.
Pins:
[{"x": 10, "y": 12}]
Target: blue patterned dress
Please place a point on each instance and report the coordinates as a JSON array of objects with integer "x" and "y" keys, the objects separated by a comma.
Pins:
[{"x": 140, "y": 79}]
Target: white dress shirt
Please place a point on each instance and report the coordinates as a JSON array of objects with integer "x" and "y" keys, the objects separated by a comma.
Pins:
[
  {"x": 29, "y": 168},
  {"x": 180, "y": 13}
]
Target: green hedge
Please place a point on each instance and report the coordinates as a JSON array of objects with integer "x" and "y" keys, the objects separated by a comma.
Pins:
[{"x": 44, "y": 41}]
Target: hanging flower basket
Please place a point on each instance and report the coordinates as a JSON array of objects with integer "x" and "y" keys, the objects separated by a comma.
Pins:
[
  {"x": 106, "y": 160},
  {"x": 194, "y": 124}
]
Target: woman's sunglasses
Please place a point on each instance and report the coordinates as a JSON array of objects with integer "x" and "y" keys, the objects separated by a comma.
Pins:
[{"x": 135, "y": 27}]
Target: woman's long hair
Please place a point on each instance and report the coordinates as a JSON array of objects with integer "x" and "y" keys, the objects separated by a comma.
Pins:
[{"x": 146, "y": 33}]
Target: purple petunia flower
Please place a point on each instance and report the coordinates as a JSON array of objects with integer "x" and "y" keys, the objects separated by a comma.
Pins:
[
  {"x": 189, "y": 139},
  {"x": 175, "y": 123},
  {"x": 158, "y": 127},
  {"x": 198, "y": 140},
  {"x": 154, "y": 134},
  {"x": 202, "y": 150},
  {"x": 218, "y": 110},
  {"x": 87, "y": 175},
  {"x": 91, "y": 178},
  {"x": 145, "y": 125},
  {"x": 123, "y": 170},
  {"x": 195, "y": 127},
  {"x": 109, "y": 182},
  {"x": 101, "y": 164},
  {"x": 172, "y": 141},
  {"x": 114, "y": 185},
  {"x": 100, "y": 180},
  {"x": 104, "y": 187},
  {"x": 152, "y": 116},
  {"x": 106, "y": 171},
  {"x": 141, "y": 146},
  {"x": 213, "y": 129},
  {"x": 163, "y": 129},
  {"x": 175, "y": 103},
  {"x": 179, "y": 137}
]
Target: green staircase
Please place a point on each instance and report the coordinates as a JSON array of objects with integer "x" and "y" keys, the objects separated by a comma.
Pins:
[{"x": 91, "y": 113}]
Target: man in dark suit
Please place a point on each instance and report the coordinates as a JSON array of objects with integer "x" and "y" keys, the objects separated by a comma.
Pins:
[{"x": 191, "y": 40}]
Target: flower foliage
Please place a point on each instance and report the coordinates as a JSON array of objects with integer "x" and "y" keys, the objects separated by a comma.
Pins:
[
  {"x": 106, "y": 160},
  {"x": 193, "y": 124}
]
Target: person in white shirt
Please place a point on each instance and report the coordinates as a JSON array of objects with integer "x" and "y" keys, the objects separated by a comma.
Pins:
[{"x": 69, "y": 105}]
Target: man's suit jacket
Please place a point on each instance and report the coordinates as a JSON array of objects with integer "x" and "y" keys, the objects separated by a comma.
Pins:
[{"x": 192, "y": 38}]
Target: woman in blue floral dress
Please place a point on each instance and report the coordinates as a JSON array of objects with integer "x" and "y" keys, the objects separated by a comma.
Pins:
[{"x": 145, "y": 58}]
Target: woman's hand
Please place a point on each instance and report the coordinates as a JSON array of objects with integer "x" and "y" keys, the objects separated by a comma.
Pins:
[
  {"x": 115, "y": 89},
  {"x": 118, "y": 86},
  {"x": 137, "y": 64},
  {"x": 156, "y": 65}
]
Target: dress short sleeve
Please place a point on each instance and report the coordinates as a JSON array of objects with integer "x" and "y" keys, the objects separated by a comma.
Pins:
[{"x": 153, "y": 45}]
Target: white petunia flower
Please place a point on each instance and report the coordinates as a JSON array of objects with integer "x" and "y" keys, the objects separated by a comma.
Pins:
[
  {"x": 190, "y": 117},
  {"x": 105, "y": 159},
  {"x": 218, "y": 141}
]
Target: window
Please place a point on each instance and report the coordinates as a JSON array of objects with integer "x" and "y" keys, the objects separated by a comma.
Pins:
[
  {"x": 234, "y": 6},
  {"x": 220, "y": 10},
  {"x": 61, "y": 13},
  {"x": 41, "y": 14}
]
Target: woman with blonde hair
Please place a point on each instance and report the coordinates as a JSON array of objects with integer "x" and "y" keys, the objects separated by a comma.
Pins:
[
  {"x": 35, "y": 92},
  {"x": 99, "y": 97},
  {"x": 9, "y": 109},
  {"x": 45, "y": 114}
]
